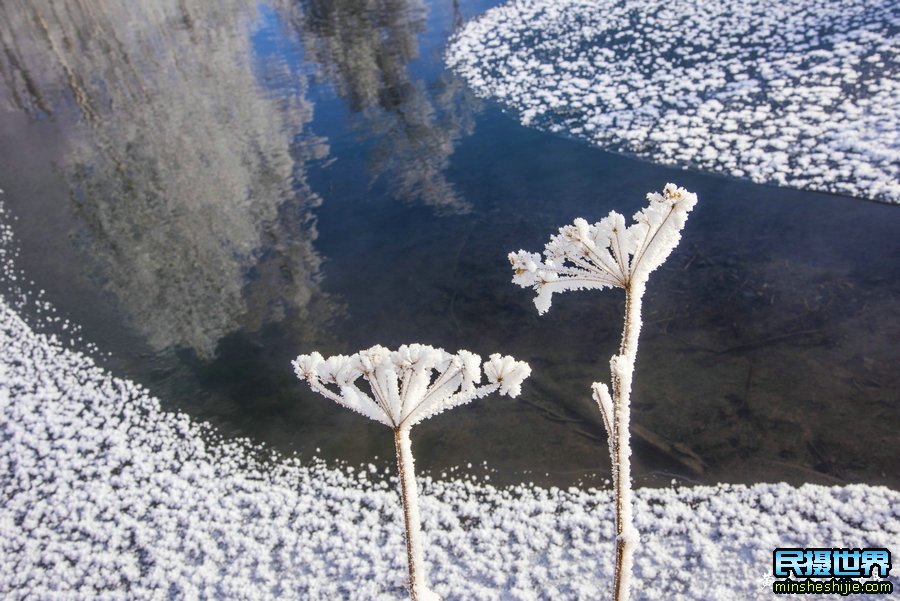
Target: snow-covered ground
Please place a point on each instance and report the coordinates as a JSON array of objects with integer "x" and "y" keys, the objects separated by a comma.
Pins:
[
  {"x": 105, "y": 496},
  {"x": 800, "y": 93}
]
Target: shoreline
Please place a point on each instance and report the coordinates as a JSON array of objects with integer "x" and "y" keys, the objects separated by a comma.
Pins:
[
  {"x": 791, "y": 94},
  {"x": 108, "y": 496}
]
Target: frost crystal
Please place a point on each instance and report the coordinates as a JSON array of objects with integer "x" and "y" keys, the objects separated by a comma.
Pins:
[
  {"x": 606, "y": 254},
  {"x": 411, "y": 384}
]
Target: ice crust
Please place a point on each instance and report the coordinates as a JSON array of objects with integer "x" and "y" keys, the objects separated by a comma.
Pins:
[
  {"x": 106, "y": 496},
  {"x": 798, "y": 93}
]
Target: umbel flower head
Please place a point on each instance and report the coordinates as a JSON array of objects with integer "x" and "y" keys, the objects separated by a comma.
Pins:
[
  {"x": 410, "y": 384},
  {"x": 606, "y": 254}
]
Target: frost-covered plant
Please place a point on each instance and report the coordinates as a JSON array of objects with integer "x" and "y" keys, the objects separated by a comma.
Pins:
[
  {"x": 406, "y": 386},
  {"x": 608, "y": 254}
]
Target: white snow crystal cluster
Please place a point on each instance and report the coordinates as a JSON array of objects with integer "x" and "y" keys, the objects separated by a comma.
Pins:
[
  {"x": 799, "y": 93},
  {"x": 105, "y": 496},
  {"x": 411, "y": 384},
  {"x": 607, "y": 254}
]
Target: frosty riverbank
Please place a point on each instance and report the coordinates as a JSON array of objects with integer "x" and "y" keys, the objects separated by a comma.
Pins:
[{"x": 108, "y": 497}]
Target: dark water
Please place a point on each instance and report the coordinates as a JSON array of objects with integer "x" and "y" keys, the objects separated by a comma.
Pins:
[{"x": 210, "y": 189}]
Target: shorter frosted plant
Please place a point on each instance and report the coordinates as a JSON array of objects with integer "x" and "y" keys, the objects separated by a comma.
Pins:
[
  {"x": 406, "y": 386},
  {"x": 608, "y": 254}
]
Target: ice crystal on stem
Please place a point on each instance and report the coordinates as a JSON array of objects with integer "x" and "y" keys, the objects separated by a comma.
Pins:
[
  {"x": 608, "y": 254},
  {"x": 406, "y": 386}
]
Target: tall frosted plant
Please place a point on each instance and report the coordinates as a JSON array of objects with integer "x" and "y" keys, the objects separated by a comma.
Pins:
[
  {"x": 608, "y": 254},
  {"x": 405, "y": 387}
]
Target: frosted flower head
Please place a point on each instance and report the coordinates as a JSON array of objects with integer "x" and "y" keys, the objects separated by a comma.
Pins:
[
  {"x": 306, "y": 366},
  {"x": 339, "y": 370},
  {"x": 471, "y": 365},
  {"x": 525, "y": 266},
  {"x": 507, "y": 373},
  {"x": 413, "y": 383},
  {"x": 407, "y": 356},
  {"x": 607, "y": 254},
  {"x": 371, "y": 358}
]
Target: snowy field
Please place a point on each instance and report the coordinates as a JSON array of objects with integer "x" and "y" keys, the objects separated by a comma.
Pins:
[
  {"x": 107, "y": 497},
  {"x": 799, "y": 93}
]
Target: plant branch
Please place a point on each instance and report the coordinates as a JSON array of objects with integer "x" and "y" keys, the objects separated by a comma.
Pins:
[
  {"x": 622, "y": 371},
  {"x": 412, "y": 522}
]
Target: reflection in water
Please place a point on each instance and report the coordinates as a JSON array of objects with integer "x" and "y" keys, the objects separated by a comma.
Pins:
[
  {"x": 184, "y": 159},
  {"x": 417, "y": 139},
  {"x": 364, "y": 49},
  {"x": 183, "y": 136}
]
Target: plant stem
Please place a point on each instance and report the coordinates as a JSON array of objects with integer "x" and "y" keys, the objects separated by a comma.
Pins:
[
  {"x": 622, "y": 372},
  {"x": 406, "y": 468}
]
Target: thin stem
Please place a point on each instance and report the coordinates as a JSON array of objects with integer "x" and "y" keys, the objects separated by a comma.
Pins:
[
  {"x": 645, "y": 245},
  {"x": 599, "y": 262},
  {"x": 634, "y": 294},
  {"x": 435, "y": 386},
  {"x": 409, "y": 495},
  {"x": 621, "y": 446},
  {"x": 380, "y": 397},
  {"x": 404, "y": 386},
  {"x": 588, "y": 272},
  {"x": 620, "y": 257},
  {"x": 602, "y": 263},
  {"x": 319, "y": 387}
]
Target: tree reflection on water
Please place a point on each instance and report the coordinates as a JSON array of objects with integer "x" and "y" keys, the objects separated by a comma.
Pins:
[
  {"x": 364, "y": 49},
  {"x": 186, "y": 153}
]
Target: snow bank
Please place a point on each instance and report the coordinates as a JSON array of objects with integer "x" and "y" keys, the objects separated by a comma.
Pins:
[
  {"x": 107, "y": 497},
  {"x": 799, "y": 93}
]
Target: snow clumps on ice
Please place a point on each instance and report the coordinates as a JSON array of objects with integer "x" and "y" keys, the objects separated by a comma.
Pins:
[
  {"x": 105, "y": 496},
  {"x": 798, "y": 93}
]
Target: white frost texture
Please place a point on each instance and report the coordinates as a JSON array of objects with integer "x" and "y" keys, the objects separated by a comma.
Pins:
[
  {"x": 609, "y": 253},
  {"x": 798, "y": 93},
  {"x": 411, "y": 384},
  {"x": 105, "y": 496}
]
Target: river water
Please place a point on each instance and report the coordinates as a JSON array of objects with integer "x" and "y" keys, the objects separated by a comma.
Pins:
[{"x": 210, "y": 189}]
